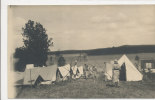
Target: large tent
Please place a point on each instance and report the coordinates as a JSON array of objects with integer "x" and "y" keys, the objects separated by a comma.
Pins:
[
  {"x": 32, "y": 76},
  {"x": 128, "y": 71}
]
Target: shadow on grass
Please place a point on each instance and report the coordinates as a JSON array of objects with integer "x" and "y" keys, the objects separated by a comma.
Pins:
[{"x": 110, "y": 85}]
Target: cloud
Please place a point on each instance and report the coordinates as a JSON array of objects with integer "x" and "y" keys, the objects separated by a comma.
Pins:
[
  {"x": 16, "y": 35},
  {"x": 18, "y": 23},
  {"x": 89, "y": 27}
]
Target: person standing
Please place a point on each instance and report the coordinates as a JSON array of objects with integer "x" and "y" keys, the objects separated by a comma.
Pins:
[
  {"x": 94, "y": 72},
  {"x": 116, "y": 73},
  {"x": 85, "y": 71},
  {"x": 74, "y": 70}
]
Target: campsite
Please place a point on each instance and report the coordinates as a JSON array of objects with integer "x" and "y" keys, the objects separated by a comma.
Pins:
[
  {"x": 79, "y": 51},
  {"x": 93, "y": 88}
]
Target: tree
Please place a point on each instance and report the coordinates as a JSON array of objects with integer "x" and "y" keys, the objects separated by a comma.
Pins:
[
  {"x": 137, "y": 58},
  {"x": 36, "y": 43},
  {"x": 20, "y": 55}
]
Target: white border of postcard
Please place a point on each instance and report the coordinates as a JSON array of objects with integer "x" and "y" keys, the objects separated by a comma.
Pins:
[{"x": 5, "y": 3}]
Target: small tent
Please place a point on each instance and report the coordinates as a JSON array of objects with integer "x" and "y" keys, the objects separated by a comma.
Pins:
[
  {"x": 48, "y": 73},
  {"x": 31, "y": 76},
  {"x": 74, "y": 69},
  {"x": 79, "y": 72},
  {"x": 63, "y": 72},
  {"x": 40, "y": 74},
  {"x": 128, "y": 71}
]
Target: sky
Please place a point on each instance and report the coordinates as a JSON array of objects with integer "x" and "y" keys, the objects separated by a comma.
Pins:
[{"x": 87, "y": 27}]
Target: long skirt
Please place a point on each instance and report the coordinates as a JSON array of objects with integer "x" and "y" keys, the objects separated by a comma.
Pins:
[{"x": 115, "y": 77}]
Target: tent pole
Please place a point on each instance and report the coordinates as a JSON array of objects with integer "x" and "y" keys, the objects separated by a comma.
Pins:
[{"x": 30, "y": 78}]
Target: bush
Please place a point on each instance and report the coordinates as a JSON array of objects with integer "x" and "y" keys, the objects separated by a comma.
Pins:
[{"x": 61, "y": 61}]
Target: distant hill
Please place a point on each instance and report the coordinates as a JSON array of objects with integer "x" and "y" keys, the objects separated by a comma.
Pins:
[{"x": 125, "y": 49}]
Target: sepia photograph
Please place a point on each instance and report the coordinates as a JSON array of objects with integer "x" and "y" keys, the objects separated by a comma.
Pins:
[{"x": 81, "y": 51}]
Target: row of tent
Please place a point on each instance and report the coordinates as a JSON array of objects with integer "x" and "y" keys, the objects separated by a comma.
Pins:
[{"x": 47, "y": 75}]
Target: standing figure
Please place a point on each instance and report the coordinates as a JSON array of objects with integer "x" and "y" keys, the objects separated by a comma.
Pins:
[
  {"x": 74, "y": 70},
  {"x": 94, "y": 72},
  {"x": 86, "y": 71},
  {"x": 116, "y": 73}
]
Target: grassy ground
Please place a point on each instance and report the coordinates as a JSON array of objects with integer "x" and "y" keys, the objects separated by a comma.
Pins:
[{"x": 82, "y": 88}]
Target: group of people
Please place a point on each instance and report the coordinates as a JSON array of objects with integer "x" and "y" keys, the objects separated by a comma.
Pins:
[
  {"x": 92, "y": 72},
  {"x": 87, "y": 71}
]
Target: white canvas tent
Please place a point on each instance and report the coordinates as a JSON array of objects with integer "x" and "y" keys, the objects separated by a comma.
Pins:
[
  {"x": 48, "y": 74},
  {"x": 108, "y": 71},
  {"x": 128, "y": 71},
  {"x": 74, "y": 69},
  {"x": 63, "y": 72},
  {"x": 74, "y": 72},
  {"x": 132, "y": 73},
  {"x": 31, "y": 76},
  {"x": 79, "y": 72}
]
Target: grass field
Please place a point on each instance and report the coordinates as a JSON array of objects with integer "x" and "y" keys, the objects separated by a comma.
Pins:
[{"x": 82, "y": 88}]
